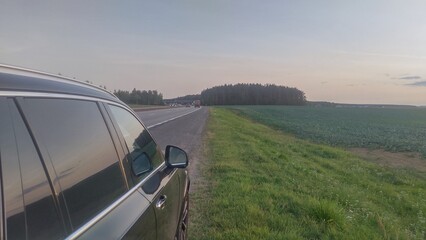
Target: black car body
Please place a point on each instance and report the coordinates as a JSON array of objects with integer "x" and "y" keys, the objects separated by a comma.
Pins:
[{"x": 77, "y": 163}]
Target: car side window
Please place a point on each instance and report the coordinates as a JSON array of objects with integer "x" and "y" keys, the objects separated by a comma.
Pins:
[
  {"x": 142, "y": 148},
  {"x": 82, "y": 153},
  {"x": 31, "y": 201},
  {"x": 11, "y": 181}
]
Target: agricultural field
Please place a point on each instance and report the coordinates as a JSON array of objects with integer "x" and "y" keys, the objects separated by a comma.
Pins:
[
  {"x": 390, "y": 129},
  {"x": 261, "y": 183}
]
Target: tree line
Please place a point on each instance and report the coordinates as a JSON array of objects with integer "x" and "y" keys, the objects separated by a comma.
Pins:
[
  {"x": 252, "y": 94},
  {"x": 140, "y": 97},
  {"x": 192, "y": 97}
]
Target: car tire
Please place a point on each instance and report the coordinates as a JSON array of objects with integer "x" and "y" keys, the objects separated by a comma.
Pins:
[{"x": 182, "y": 232}]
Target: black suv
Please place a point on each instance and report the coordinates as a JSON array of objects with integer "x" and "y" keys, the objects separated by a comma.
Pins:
[{"x": 77, "y": 163}]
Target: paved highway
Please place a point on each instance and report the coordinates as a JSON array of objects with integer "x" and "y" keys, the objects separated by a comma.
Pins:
[
  {"x": 182, "y": 127},
  {"x": 154, "y": 118}
]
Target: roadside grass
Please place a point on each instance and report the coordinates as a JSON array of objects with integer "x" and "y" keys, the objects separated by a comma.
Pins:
[{"x": 264, "y": 184}]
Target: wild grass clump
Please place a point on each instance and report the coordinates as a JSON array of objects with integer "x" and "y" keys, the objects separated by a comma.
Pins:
[{"x": 327, "y": 213}]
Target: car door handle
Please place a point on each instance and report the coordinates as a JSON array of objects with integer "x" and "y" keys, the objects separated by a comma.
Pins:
[{"x": 161, "y": 201}]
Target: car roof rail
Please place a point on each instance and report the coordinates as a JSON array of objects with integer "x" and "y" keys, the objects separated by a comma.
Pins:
[{"x": 54, "y": 77}]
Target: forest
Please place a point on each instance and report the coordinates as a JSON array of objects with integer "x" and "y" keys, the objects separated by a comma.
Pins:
[
  {"x": 252, "y": 94},
  {"x": 140, "y": 97}
]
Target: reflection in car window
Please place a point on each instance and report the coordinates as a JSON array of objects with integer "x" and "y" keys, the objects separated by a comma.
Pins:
[
  {"x": 43, "y": 221},
  {"x": 12, "y": 185},
  {"x": 82, "y": 152},
  {"x": 25, "y": 183},
  {"x": 137, "y": 138}
]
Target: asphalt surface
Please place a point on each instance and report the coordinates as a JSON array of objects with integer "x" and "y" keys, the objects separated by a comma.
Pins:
[
  {"x": 160, "y": 116},
  {"x": 181, "y": 127}
]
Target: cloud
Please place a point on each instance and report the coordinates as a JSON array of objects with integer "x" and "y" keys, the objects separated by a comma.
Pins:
[
  {"x": 380, "y": 55},
  {"x": 418, "y": 84},
  {"x": 410, "y": 78}
]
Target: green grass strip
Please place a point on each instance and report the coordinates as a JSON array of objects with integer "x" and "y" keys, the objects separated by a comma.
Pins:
[{"x": 263, "y": 184}]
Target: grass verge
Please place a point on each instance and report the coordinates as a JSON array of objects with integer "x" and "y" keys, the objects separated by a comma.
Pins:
[{"x": 263, "y": 184}]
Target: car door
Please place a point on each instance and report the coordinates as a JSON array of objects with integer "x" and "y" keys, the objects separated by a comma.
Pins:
[
  {"x": 85, "y": 166},
  {"x": 161, "y": 188}
]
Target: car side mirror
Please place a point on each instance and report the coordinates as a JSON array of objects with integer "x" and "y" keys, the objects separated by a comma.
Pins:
[{"x": 176, "y": 157}]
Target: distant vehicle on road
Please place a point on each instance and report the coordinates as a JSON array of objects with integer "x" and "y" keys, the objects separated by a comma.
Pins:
[
  {"x": 76, "y": 162},
  {"x": 197, "y": 103}
]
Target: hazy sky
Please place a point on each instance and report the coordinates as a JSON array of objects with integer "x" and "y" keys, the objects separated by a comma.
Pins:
[{"x": 341, "y": 51}]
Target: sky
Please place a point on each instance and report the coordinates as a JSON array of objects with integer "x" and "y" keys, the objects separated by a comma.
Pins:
[{"x": 363, "y": 51}]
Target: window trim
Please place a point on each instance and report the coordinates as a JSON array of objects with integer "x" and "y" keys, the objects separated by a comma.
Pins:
[{"x": 47, "y": 94}]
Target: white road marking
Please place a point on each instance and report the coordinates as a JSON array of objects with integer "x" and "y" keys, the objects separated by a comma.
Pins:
[{"x": 171, "y": 119}]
